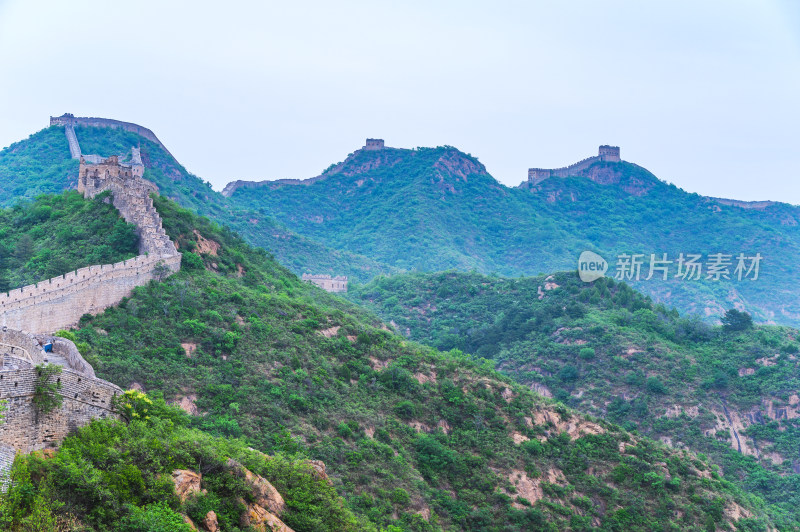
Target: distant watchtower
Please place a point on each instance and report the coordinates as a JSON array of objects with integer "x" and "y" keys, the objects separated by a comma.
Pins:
[
  {"x": 609, "y": 154},
  {"x": 605, "y": 153},
  {"x": 374, "y": 144}
]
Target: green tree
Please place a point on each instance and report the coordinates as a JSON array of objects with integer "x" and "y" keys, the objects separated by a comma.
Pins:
[
  {"x": 735, "y": 320},
  {"x": 45, "y": 392}
]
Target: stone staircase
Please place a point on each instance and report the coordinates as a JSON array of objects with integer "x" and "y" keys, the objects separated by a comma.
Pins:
[{"x": 72, "y": 139}]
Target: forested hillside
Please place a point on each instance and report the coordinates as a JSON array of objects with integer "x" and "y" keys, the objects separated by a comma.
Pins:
[
  {"x": 149, "y": 472},
  {"x": 41, "y": 164},
  {"x": 55, "y": 234},
  {"x": 604, "y": 349},
  {"x": 412, "y": 437},
  {"x": 431, "y": 209}
]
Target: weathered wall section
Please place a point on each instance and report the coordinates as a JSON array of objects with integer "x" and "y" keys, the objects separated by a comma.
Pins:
[
  {"x": 131, "y": 198},
  {"x": 60, "y": 302},
  {"x": 604, "y": 153},
  {"x": 67, "y": 119},
  {"x": 84, "y": 398}
]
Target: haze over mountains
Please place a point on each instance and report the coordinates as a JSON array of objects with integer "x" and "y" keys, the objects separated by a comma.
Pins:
[
  {"x": 416, "y": 438},
  {"x": 430, "y": 209}
]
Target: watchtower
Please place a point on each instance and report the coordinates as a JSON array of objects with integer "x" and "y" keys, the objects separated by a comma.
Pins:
[
  {"x": 609, "y": 154},
  {"x": 537, "y": 175},
  {"x": 374, "y": 144}
]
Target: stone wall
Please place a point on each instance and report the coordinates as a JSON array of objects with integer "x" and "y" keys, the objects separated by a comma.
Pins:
[
  {"x": 72, "y": 140},
  {"x": 609, "y": 153},
  {"x": 59, "y": 303},
  {"x": 605, "y": 153},
  {"x": 67, "y": 119},
  {"x": 24, "y": 429},
  {"x": 374, "y": 144},
  {"x": 328, "y": 283},
  {"x": 131, "y": 198}
]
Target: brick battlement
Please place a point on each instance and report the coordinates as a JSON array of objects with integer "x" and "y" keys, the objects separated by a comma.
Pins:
[
  {"x": 69, "y": 120},
  {"x": 374, "y": 144},
  {"x": 58, "y": 303},
  {"x": 326, "y": 282},
  {"x": 605, "y": 153},
  {"x": 24, "y": 429}
]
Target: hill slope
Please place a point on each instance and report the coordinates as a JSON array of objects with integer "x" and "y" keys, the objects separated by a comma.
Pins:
[
  {"x": 606, "y": 350},
  {"x": 432, "y": 209},
  {"x": 412, "y": 437},
  {"x": 114, "y": 475},
  {"x": 42, "y": 164},
  {"x": 435, "y": 209}
]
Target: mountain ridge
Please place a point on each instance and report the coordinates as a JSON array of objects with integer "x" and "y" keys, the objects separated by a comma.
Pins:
[{"x": 390, "y": 210}]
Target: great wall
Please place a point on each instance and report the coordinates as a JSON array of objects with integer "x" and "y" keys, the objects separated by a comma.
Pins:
[
  {"x": 605, "y": 154},
  {"x": 29, "y": 315},
  {"x": 369, "y": 145},
  {"x": 69, "y": 121}
]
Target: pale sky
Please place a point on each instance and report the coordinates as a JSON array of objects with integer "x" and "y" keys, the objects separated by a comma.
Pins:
[{"x": 706, "y": 94}]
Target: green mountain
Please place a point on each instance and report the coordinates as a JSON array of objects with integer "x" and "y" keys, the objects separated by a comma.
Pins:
[
  {"x": 433, "y": 209},
  {"x": 430, "y": 209},
  {"x": 606, "y": 350},
  {"x": 42, "y": 164},
  {"x": 413, "y": 438}
]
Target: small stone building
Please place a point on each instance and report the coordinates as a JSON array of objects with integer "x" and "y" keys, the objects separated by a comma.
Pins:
[{"x": 328, "y": 283}]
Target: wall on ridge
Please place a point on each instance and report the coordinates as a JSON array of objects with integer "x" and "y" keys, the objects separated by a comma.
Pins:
[
  {"x": 60, "y": 302},
  {"x": 74, "y": 147},
  {"x": 131, "y": 198},
  {"x": 69, "y": 120}
]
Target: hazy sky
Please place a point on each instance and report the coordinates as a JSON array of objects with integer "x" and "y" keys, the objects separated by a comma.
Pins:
[{"x": 706, "y": 94}]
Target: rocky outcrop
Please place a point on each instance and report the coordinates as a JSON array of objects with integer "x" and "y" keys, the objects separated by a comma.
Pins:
[
  {"x": 319, "y": 471},
  {"x": 210, "y": 522},
  {"x": 264, "y": 493},
  {"x": 187, "y": 483},
  {"x": 255, "y": 517},
  {"x": 260, "y": 514}
]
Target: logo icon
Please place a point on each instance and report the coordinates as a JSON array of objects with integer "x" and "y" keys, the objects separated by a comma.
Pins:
[{"x": 591, "y": 266}]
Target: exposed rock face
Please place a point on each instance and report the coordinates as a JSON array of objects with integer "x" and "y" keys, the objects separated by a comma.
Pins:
[
  {"x": 186, "y": 403},
  {"x": 189, "y": 522},
  {"x": 319, "y": 469},
  {"x": 576, "y": 427},
  {"x": 264, "y": 493},
  {"x": 186, "y": 482},
  {"x": 205, "y": 245},
  {"x": 210, "y": 522},
  {"x": 455, "y": 163},
  {"x": 257, "y": 518}
]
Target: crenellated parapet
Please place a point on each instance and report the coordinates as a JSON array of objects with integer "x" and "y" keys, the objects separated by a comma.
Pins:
[
  {"x": 70, "y": 120},
  {"x": 326, "y": 282},
  {"x": 30, "y": 313},
  {"x": 59, "y": 303},
  {"x": 25, "y": 428},
  {"x": 132, "y": 199},
  {"x": 84, "y": 397},
  {"x": 605, "y": 154}
]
